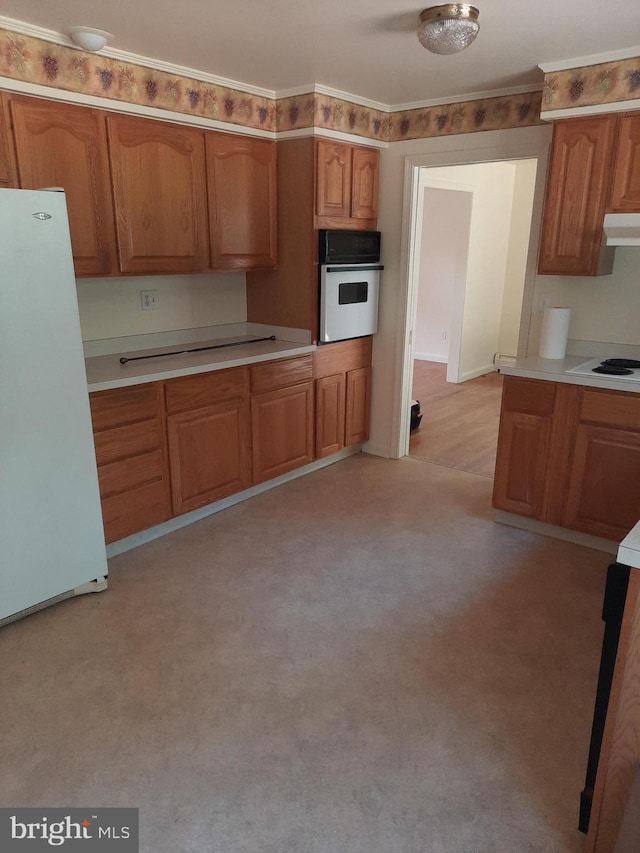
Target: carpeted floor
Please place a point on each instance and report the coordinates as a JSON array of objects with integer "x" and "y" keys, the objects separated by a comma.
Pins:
[{"x": 359, "y": 661}]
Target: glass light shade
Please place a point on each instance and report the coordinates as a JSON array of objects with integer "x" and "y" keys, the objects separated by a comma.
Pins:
[
  {"x": 88, "y": 38},
  {"x": 449, "y": 28}
]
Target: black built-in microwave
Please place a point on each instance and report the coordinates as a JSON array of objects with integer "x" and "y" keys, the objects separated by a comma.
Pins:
[{"x": 339, "y": 246}]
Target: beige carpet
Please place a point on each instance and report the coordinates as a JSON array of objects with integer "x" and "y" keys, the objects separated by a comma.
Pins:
[{"x": 359, "y": 661}]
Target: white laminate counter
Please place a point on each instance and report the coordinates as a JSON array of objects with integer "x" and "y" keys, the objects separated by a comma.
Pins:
[
  {"x": 629, "y": 550},
  {"x": 554, "y": 370},
  {"x": 106, "y": 371}
]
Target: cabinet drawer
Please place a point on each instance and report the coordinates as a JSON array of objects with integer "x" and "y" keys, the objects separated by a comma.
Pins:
[
  {"x": 125, "y": 441},
  {"x": 120, "y": 406},
  {"x": 342, "y": 357},
  {"x": 613, "y": 408},
  {"x": 135, "y": 510},
  {"x": 528, "y": 396},
  {"x": 206, "y": 389},
  {"x": 127, "y": 474},
  {"x": 271, "y": 375}
]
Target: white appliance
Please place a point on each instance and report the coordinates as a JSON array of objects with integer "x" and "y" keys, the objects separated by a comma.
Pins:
[
  {"x": 51, "y": 537},
  {"x": 349, "y": 283},
  {"x": 627, "y": 369}
]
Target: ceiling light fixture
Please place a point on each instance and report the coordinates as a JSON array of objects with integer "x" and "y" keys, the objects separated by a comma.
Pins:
[
  {"x": 449, "y": 28},
  {"x": 89, "y": 39}
]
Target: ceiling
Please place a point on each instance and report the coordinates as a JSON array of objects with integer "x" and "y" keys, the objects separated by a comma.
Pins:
[{"x": 367, "y": 48}]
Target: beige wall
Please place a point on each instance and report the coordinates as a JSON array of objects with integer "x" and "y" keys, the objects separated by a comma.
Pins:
[{"x": 110, "y": 308}]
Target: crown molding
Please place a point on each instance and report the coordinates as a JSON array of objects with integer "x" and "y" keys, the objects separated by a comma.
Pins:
[
  {"x": 319, "y": 89},
  {"x": 471, "y": 96},
  {"x": 591, "y": 110},
  {"x": 135, "y": 59},
  {"x": 592, "y": 59},
  {"x": 327, "y": 133}
]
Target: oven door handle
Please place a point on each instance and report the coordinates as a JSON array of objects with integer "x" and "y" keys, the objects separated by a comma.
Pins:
[{"x": 358, "y": 268}]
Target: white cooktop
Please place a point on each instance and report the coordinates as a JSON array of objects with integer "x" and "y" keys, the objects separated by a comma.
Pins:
[{"x": 587, "y": 369}]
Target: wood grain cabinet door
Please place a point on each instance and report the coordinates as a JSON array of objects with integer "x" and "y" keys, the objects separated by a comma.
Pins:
[
  {"x": 604, "y": 483},
  {"x": 365, "y": 178},
  {"x": 210, "y": 453},
  {"x": 241, "y": 186},
  {"x": 523, "y": 446},
  {"x": 576, "y": 195},
  {"x": 330, "y": 414},
  {"x": 625, "y": 190},
  {"x": 282, "y": 430},
  {"x": 358, "y": 405},
  {"x": 8, "y": 176},
  {"x": 60, "y": 145},
  {"x": 159, "y": 188},
  {"x": 333, "y": 178}
]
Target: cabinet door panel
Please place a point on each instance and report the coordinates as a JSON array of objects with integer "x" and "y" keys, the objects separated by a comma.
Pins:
[
  {"x": 523, "y": 449},
  {"x": 364, "y": 193},
  {"x": 8, "y": 176},
  {"x": 625, "y": 191},
  {"x": 210, "y": 454},
  {"x": 604, "y": 486},
  {"x": 159, "y": 187},
  {"x": 358, "y": 405},
  {"x": 576, "y": 194},
  {"x": 333, "y": 181},
  {"x": 241, "y": 183},
  {"x": 330, "y": 414},
  {"x": 60, "y": 145},
  {"x": 282, "y": 424}
]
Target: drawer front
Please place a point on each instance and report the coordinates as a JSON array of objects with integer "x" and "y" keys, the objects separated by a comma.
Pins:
[
  {"x": 342, "y": 357},
  {"x": 528, "y": 396},
  {"x": 130, "y": 440},
  {"x": 206, "y": 389},
  {"x": 120, "y": 406},
  {"x": 135, "y": 510},
  {"x": 271, "y": 375},
  {"x": 611, "y": 408},
  {"x": 127, "y": 474}
]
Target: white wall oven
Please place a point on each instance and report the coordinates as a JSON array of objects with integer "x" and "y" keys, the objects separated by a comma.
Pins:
[{"x": 349, "y": 271}]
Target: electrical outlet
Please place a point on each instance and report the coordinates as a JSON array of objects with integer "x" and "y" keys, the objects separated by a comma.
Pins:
[
  {"x": 149, "y": 300},
  {"x": 443, "y": 335}
]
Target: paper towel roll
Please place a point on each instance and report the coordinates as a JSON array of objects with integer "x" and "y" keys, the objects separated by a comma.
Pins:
[{"x": 555, "y": 332}]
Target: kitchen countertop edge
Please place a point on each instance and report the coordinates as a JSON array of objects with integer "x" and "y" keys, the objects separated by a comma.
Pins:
[
  {"x": 106, "y": 372},
  {"x": 554, "y": 370}
]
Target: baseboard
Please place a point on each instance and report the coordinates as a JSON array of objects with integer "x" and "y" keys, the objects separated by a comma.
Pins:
[
  {"x": 555, "y": 532},
  {"x": 425, "y": 356},
  {"x": 181, "y": 521},
  {"x": 480, "y": 371}
]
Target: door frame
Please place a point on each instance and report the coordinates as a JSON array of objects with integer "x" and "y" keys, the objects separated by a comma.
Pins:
[{"x": 518, "y": 149}]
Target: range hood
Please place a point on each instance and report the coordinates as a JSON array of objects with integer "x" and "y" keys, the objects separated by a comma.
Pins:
[{"x": 622, "y": 229}]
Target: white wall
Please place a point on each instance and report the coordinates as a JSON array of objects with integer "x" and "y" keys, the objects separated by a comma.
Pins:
[
  {"x": 603, "y": 308},
  {"x": 446, "y": 216},
  {"x": 519, "y": 232},
  {"x": 394, "y": 222},
  {"x": 110, "y": 308}
]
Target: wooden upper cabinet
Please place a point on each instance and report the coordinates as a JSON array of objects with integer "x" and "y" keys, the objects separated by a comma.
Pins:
[
  {"x": 576, "y": 196},
  {"x": 333, "y": 178},
  {"x": 159, "y": 189},
  {"x": 625, "y": 190},
  {"x": 364, "y": 190},
  {"x": 8, "y": 177},
  {"x": 61, "y": 145},
  {"x": 241, "y": 185}
]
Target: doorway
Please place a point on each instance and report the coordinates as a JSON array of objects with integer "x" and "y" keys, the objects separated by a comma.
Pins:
[{"x": 470, "y": 251}]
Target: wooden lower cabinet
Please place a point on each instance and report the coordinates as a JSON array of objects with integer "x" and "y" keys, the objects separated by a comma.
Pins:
[
  {"x": 343, "y": 393},
  {"x": 209, "y": 433},
  {"x": 282, "y": 408},
  {"x": 131, "y": 453},
  {"x": 569, "y": 455}
]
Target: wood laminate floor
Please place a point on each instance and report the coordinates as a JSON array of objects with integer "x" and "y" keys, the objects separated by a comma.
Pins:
[{"x": 459, "y": 427}]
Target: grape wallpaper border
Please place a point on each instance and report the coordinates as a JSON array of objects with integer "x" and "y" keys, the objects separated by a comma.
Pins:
[{"x": 34, "y": 60}]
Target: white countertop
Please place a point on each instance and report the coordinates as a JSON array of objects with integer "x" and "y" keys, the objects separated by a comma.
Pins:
[
  {"x": 629, "y": 550},
  {"x": 106, "y": 371},
  {"x": 553, "y": 369}
]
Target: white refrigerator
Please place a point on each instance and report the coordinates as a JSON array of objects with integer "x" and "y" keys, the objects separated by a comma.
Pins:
[{"x": 51, "y": 537}]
